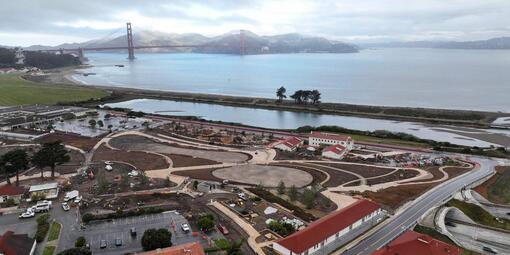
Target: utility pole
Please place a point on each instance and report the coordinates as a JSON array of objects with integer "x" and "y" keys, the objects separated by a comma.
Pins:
[{"x": 131, "y": 49}]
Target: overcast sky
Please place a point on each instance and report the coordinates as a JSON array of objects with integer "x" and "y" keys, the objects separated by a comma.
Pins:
[{"x": 51, "y": 22}]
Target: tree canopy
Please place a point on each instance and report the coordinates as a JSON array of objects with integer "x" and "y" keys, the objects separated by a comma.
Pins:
[
  {"x": 14, "y": 161},
  {"x": 280, "y": 93},
  {"x": 50, "y": 155},
  {"x": 156, "y": 238}
]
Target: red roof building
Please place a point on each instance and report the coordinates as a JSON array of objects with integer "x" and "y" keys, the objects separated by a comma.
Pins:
[
  {"x": 419, "y": 244},
  {"x": 11, "y": 244},
  {"x": 328, "y": 229},
  {"x": 194, "y": 248},
  {"x": 289, "y": 144},
  {"x": 320, "y": 138},
  {"x": 336, "y": 151},
  {"x": 11, "y": 190}
]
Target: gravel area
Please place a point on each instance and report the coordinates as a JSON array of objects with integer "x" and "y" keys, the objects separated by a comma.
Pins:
[
  {"x": 268, "y": 176},
  {"x": 132, "y": 142},
  {"x": 141, "y": 160}
]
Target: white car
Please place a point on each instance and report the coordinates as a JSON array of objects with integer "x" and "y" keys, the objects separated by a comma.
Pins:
[
  {"x": 65, "y": 207},
  {"x": 108, "y": 168},
  {"x": 29, "y": 213},
  {"x": 78, "y": 199},
  {"x": 185, "y": 227}
]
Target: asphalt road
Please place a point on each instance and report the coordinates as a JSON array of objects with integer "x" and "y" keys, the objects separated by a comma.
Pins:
[{"x": 407, "y": 218}]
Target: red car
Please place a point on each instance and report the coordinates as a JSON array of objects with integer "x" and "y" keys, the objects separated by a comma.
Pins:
[{"x": 223, "y": 229}]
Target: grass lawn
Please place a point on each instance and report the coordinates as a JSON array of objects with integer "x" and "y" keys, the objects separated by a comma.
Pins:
[
  {"x": 54, "y": 231},
  {"x": 436, "y": 235},
  {"x": 389, "y": 141},
  {"x": 222, "y": 243},
  {"x": 479, "y": 215},
  {"x": 48, "y": 250},
  {"x": 500, "y": 190},
  {"x": 15, "y": 91}
]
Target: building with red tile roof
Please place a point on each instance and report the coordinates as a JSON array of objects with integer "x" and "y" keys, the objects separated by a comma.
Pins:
[
  {"x": 194, "y": 248},
  {"x": 419, "y": 244},
  {"x": 289, "y": 144},
  {"x": 12, "y": 244},
  {"x": 330, "y": 228},
  {"x": 321, "y": 138},
  {"x": 11, "y": 191},
  {"x": 336, "y": 151}
]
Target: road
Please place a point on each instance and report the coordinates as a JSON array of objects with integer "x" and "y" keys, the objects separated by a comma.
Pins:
[{"x": 408, "y": 217}]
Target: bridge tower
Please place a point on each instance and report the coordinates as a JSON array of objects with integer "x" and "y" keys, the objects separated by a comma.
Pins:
[
  {"x": 81, "y": 55},
  {"x": 131, "y": 49},
  {"x": 242, "y": 46}
]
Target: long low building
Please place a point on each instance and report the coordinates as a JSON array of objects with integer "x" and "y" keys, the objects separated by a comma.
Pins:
[
  {"x": 332, "y": 231},
  {"x": 320, "y": 138}
]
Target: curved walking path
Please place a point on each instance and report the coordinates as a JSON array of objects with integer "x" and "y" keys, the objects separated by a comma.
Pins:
[
  {"x": 328, "y": 177},
  {"x": 362, "y": 179}
]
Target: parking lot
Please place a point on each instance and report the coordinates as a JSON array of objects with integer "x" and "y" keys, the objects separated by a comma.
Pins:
[{"x": 120, "y": 228}]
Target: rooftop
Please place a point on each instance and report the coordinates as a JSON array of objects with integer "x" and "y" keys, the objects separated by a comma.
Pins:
[
  {"x": 291, "y": 142},
  {"x": 327, "y": 226},
  {"x": 10, "y": 190},
  {"x": 330, "y": 136},
  {"x": 11, "y": 244},
  {"x": 420, "y": 244},
  {"x": 45, "y": 186},
  {"x": 194, "y": 248},
  {"x": 338, "y": 149}
]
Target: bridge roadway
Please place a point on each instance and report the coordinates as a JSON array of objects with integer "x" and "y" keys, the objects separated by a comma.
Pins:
[{"x": 408, "y": 217}]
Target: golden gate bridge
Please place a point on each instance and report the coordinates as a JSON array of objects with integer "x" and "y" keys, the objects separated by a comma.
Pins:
[{"x": 130, "y": 47}]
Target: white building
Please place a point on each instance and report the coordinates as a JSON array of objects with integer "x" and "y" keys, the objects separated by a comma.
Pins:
[
  {"x": 336, "y": 151},
  {"x": 332, "y": 231},
  {"x": 289, "y": 144},
  {"x": 49, "y": 190},
  {"x": 319, "y": 138}
]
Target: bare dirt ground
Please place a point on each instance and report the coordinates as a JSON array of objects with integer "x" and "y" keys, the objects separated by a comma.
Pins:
[
  {"x": 84, "y": 143},
  {"x": 185, "y": 160},
  {"x": 138, "y": 143},
  {"x": 318, "y": 176},
  {"x": 141, "y": 160},
  {"x": 363, "y": 170},
  {"x": 483, "y": 189},
  {"x": 394, "y": 197},
  {"x": 268, "y": 176},
  {"x": 397, "y": 175}
]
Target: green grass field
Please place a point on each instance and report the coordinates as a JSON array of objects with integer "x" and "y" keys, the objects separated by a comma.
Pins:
[
  {"x": 48, "y": 250},
  {"x": 54, "y": 231},
  {"x": 500, "y": 190},
  {"x": 479, "y": 215},
  {"x": 16, "y": 91}
]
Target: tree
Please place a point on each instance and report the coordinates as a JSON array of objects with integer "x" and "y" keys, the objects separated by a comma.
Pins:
[
  {"x": 206, "y": 222},
  {"x": 280, "y": 93},
  {"x": 51, "y": 155},
  {"x": 306, "y": 96},
  {"x": 156, "y": 238},
  {"x": 80, "y": 242},
  {"x": 39, "y": 161},
  {"x": 15, "y": 161},
  {"x": 309, "y": 198},
  {"x": 293, "y": 193},
  {"x": 76, "y": 251},
  {"x": 297, "y": 96},
  {"x": 92, "y": 123},
  {"x": 100, "y": 123},
  {"x": 281, "y": 188},
  {"x": 146, "y": 125},
  {"x": 315, "y": 96},
  {"x": 235, "y": 248},
  {"x": 3, "y": 170}
]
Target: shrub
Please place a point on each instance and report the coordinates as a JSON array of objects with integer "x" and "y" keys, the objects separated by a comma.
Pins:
[
  {"x": 87, "y": 217},
  {"x": 206, "y": 222},
  {"x": 42, "y": 227},
  {"x": 156, "y": 238},
  {"x": 80, "y": 242}
]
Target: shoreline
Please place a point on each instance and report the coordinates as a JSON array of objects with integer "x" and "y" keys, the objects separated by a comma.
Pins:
[{"x": 468, "y": 118}]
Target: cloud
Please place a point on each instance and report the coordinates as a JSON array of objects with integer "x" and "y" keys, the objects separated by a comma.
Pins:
[{"x": 25, "y": 22}]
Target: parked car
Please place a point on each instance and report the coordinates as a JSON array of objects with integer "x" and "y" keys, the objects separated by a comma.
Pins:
[
  {"x": 108, "y": 168},
  {"x": 223, "y": 229},
  {"x": 42, "y": 206},
  {"x": 490, "y": 250},
  {"x": 132, "y": 231},
  {"x": 65, "y": 206},
  {"x": 242, "y": 196},
  {"x": 29, "y": 213},
  {"x": 102, "y": 244},
  {"x": 118, "y": 242},
  {"x": 185, "y": 227},
  {"x": 78, "y": 199}
]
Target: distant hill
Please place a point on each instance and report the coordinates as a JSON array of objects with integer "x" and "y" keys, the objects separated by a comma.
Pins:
[
  {"x": 228, "y": 43},
  {"x": 494, "y": 43}
]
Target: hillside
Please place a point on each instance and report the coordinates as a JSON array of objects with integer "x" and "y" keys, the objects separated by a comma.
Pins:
[
  {"x": 501, "y": 43},
  {"x": 228, "y": 43}
]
